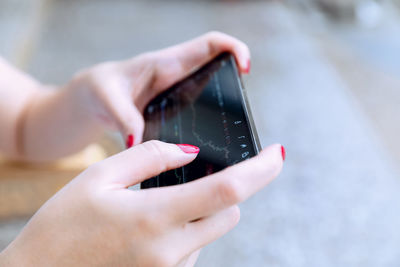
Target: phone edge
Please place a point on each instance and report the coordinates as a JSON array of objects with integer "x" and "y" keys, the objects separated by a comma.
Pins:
[{"x": 246, "y": 106}]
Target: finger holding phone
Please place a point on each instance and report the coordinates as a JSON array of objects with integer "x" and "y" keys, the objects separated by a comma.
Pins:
[
  {"x": 121, "y": 90},
  {"x": 41, "y": 124},
  {"x": 97, "y": 221}
]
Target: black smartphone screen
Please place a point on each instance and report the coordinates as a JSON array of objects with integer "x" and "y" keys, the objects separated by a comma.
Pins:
[{"x": 208, "y": 109}]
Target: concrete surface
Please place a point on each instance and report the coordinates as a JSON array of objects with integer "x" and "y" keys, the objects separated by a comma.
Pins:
[{"x": 336, "y": 202}]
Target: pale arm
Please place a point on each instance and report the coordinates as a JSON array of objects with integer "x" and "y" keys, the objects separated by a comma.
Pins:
[{"x": 39, "y": 123}]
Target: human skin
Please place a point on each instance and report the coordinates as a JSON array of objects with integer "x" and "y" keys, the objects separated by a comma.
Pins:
[
  {"x": 43, "y": 123},
  {"x": 96, "y": 220}
]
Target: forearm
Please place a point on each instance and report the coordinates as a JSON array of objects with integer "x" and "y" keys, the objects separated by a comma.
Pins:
[
  {"x": 16, "y": 92},
  {"x": 55, "y": 124},
  {"x": 32, "y": 248},
  {"x": 9, "y": 259},
  {"x": 39, "y": 123},
  {"x": 5, "y": 260}
]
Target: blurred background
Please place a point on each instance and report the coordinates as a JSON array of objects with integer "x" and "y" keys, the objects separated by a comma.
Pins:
[{"x": 325, "y": 82}]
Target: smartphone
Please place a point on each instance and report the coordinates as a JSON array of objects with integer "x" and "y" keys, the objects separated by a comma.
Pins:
[{"x": 208, "y": 109}]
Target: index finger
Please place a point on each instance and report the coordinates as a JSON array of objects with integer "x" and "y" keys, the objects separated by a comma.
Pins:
[
  {"x": 197, "y": 52},
  {"x": 221, "y": 190}
]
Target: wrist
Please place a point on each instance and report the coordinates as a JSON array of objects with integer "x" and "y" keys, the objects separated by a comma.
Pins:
[
  {"x": 3, "y": 259},
  {"x": 81, "y": 102},
  {"x": 9, "y": 258},
  {"x": 56, "y": 125}
]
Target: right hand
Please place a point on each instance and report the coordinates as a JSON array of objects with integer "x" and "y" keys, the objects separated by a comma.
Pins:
[
  {"x": 114, "y": 94},
  {"x": 96, "y": 221}
]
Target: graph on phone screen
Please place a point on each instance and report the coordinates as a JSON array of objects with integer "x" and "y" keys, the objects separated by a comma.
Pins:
[{"x": 205, "y": 110}]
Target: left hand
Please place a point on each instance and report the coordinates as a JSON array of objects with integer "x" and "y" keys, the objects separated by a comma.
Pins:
[
  {"x": 96, "y": 221},
  {"x": 116, "y": 93}
]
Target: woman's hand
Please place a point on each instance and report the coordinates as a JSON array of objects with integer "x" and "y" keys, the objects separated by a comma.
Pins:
[
  {"x": 96, "y": 221},
  {"x": 39, "y": 124},
  {"x": 115, "y": 93}
]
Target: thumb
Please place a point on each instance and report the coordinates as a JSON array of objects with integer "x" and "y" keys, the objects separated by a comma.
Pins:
[
  {"x": 146, "y": 160},
  {"x": 131, "y": 125},
  {"x": 127, "y": 117}
]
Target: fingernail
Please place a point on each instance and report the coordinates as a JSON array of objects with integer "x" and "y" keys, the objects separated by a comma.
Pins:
[
  {"x": 129, "y": 141},
  {"x": 248, "y": 66},
  {"x": 189, "y": 149},
  {"x": 283, "y": 153}
]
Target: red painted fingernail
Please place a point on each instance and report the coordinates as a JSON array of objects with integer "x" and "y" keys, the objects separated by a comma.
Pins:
[
  {"x": 189, "y": 149},
  {"x": 283, "y": 153},
  {"x": 129, "y": 141},
  {"x": 248, "y": 66}
]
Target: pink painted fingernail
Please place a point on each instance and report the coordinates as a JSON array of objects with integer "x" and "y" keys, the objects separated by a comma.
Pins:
[
  {"x": 248, "y": 66},
  {"x": 129, "y": 141},
  {"x": 189, "y": 149},
  {"x": 283, "y": 153}
]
